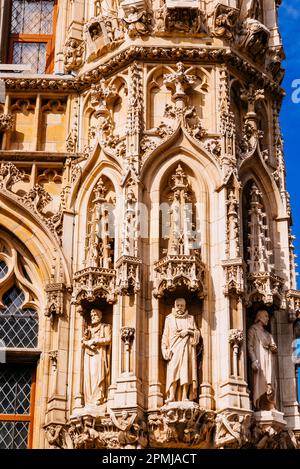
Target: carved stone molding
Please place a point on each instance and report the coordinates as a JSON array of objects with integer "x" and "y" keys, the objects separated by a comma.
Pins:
[
  {"x": 132, "y": 53},
  {"x": 94, "y": 282},
  {"x": 175, "y": 271},
  {"x": 176, "y": 425},
  {"x": 55, "y": 299},
  {"x": 128, "y": 275}
]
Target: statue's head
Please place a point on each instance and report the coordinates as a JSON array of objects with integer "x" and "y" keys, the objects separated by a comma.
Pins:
[
  {"x": 180, "y": 305},
  {"x": 96, "y": 316},
  {"x": 262, "y": 316}
]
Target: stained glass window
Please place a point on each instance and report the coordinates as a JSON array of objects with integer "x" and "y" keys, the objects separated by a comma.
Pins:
[
  {"x": 18, "y": 326},
  {"x": 15, "y": 412}
]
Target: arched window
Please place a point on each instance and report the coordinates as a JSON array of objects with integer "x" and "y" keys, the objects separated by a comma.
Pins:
[{"x": 18, "y": 326}]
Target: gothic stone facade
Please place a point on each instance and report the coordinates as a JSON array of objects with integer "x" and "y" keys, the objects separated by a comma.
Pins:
[{"x": 144, "y": 166}]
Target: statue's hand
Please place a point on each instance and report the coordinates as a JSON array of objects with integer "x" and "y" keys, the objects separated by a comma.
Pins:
[
  {"x": 183, "y": 334},
  {"x": 273, "y": 348},
  {"x": 255, "y": 365}
]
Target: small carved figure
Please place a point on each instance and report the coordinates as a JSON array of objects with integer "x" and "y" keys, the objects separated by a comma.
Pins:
[
  {"x": 262, "y": 350},
  {"x": 136, "y": 22},
  {"x": 179, "y": 341}
]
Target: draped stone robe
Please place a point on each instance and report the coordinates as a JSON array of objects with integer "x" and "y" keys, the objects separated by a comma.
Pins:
[
  {"x": 181, "y": 352},
  {"x": 259, "y": 342},
  {"x": 97, "y": 365}
]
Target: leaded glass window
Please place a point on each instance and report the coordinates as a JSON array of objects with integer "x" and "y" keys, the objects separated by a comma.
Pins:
[
  {"x": 3, "y": 269},
  {"x": 16, "y": 393},
  {"x": 18, "y": 326},
  {"x": 31, "y": 34},
  {"x": 32, "y": 17},
  {"x": 33, "y": 53}
]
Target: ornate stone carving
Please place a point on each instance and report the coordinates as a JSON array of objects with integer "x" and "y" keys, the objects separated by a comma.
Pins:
[
  {"x": 182, "y": 265},
  {"x": 179, "y": 82},
  {"x": 127, "y": 336},
  {"x": 234, "y": 277},
  {"x": 37, "y": 198},
  {"x": 94, "y": 282},
  {"x": 236, "y": 338},
  {"x": 96, "y": 343},
  {"x": 73, "y": 54},
  {"x": 179, "y": 271},
  {"x": 53, "y": 355},
  {"x": 128, "y": 275},
  {"x": 181, "y": 425},
  {"x": 122, "y": 430},
  {"x": 262, "y": 284},
  {"x": 7, "y": 122},
  {"x": 293, "y": 303},
  {"x": 225, "y": 21},
  {"x": 181, "y": 20},
  {"x": 9, "y": 175},
  {"x": 55, "y": 299},
  {"x": 137, "y": 21},
  {"x": 102, "y": 34},
  {"x": 58, "y": 437},
  {"x": 193, "y": 123},
  {"x": 262, "y": 350},
  {"x": 254, "y": 38},
  {"x": 232, "y": 430},
  {"x": 179, "y": 341}
]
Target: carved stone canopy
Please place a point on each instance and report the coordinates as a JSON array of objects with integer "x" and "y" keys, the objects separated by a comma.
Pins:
[
  {"x": 94, "y": 282},
  {"x": 174, "y": 271}
]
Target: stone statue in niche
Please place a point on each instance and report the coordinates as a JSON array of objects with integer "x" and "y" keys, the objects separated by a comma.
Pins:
[
  {"x": 179, "y": 341},
  {"x": 262, "y": 350},
  {"x": 97, "y": 344}
]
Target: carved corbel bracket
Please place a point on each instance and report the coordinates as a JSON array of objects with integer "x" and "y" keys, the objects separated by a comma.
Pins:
[{"x": 55, "y": 299}]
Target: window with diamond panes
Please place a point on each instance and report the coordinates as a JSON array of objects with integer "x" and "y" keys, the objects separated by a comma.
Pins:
[
  {"x": 32, "y": 29},
  {"x": 18, "y": 326},
  {"x": 17, "y": 387},
  {"x": 3, "y": 269}
]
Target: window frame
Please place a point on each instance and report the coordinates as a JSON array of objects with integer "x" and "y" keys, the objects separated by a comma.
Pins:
[
  {"x": 25, "y": 417},
  {"x": 49, "y": 39}
]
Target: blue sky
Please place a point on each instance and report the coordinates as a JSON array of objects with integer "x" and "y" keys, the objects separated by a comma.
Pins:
[{"x": 289, "y": 16}]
